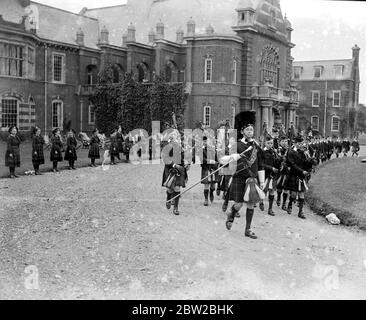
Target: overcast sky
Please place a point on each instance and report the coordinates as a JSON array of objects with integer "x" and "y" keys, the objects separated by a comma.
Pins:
[{"x": 322, "y": 29}]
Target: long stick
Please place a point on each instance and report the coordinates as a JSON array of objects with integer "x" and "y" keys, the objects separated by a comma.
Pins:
[{"x": 191, "y": 187}]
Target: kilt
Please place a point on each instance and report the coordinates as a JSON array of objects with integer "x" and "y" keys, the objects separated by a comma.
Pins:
[
  {"x": 180, "y": 179},
  {"x": 56, "y": 154},
  {"x": 70, "y": 153},
  {"x": 270, "y": 184},
  {"x": 38, "y": 157},
  {"x": 120, "y": 146},
  {"x": 14, "y": 160},
  {"x": 206, "y": 169},
  {"x": 292, "y": 184},
  {"x": 224, "y": 183},
  {"x": 113, "y": 149},
  {"x": 94, "y": 151},
  {"x": 248, "y": 188}
]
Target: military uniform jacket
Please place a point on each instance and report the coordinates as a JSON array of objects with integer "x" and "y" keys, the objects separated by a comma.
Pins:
[
  {"x": 298, "y": 163},
  {"x": 270, "y": 161}
]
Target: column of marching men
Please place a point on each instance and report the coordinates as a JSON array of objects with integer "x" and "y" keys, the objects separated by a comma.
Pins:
[
  {"x": 65, "y": 148},
  {"x": 245, "y": 171}
]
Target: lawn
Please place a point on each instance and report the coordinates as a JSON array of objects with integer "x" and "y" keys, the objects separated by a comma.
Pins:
[{"x": 339, "y": 187}]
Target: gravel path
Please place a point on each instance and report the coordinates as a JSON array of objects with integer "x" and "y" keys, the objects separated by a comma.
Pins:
[{"x": 106, "y": 234}]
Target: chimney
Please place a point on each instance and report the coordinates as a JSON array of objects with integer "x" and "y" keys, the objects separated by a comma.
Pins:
[
  {"x": 131, "y": 33},
  {"x": 152, "y": 36},
  {"x": 104, "y": 34},
  {"x": 191, "y": 28},
  {"x": 180, "y": 35},
  {"x": 210, "y": 30},
  {"x": 124, "y": 38},
  {"x": 80, "y": 37},
  {"x": 159, "y": 30},
  {"x": 356, "y": 53}
]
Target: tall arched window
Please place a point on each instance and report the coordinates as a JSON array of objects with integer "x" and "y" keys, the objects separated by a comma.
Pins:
[
  {"x": 207, "y": 116},
  {"x": 143, "y": 72},
  {"x": 270, "y": 63},
  {"x": 57, "y": 113},
  {"x": 117, "y": 73},
  {"x": 171, "y": 71},
  {"x": 315, "y": 123}
]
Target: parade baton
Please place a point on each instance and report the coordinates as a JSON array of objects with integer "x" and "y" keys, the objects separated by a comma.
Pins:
[{"x": 191, "y": 187}]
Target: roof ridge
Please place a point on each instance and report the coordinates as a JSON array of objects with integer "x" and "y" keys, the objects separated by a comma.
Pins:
[
  {"x": 59, "y": 9},
  {"x": 100, "y": 8},
  {"x": 324, "y": 60}
]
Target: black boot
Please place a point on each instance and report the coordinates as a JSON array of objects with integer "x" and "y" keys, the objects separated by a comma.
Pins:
[
  {"x": 230, "y": 217},
  {"x": 225, "y": 205},
  {"x": 249, "y": 217},
  {"x": 176, "y": 203},
  {"x": 261, "y": 205},
  {"x": 289, "y": 208},
  {"x": 270, "y": 200},
  {"x": 284, "y": 197},
  {"x": 168, "y": 203},
  {"x": 205, "y": 192},
  {"x": 301, "y": 206}
]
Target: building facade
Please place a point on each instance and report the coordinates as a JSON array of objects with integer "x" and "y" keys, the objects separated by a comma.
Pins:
[
  {"x": 235, "y": 61},
  {"x": 329, "y": 95}
]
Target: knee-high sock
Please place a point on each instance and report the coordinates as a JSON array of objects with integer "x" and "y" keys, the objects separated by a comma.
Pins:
[
  {"x": 205, "y": 192},
  {"x": 301, "y": 204},
  {"x": 284, "y": 198},
  {"x": 176, "y": 200},
  {"x": 12, "y": 170},
  {"x": 279, "y": 193},
  {"x": 249, "y": 217},
  {"x": 54, "y": 164},
  {"x": 291, "y": 201},
  {"x": 270, "y": 200}
]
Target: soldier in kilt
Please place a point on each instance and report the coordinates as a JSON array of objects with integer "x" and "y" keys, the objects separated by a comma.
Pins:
[
  {"x": 119, "y": 137},
  {"x": 94, "y": 148},
  {"x": 175, "y": 171},
  {"x": 208, "y": 165},
  {"x": 346, "y": 147},
  {"x": 271, "y": 164},
  {"x": 282, "y": 174},
  {"x": 56, "y": 149},
  {"x": 12, "y": 155},
  {"x": 37, "y": 150},
  {"x": 298, "y": 163},
  {"x": 70, "y": 153},
  {"x": 113, "y": 148},
  {"x": 249, "y": 168},
  {"x": 355, "y": 147},
  {"x": 338, "y": 147}
]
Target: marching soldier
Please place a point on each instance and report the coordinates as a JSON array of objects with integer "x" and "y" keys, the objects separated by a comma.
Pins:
[
  {"x": 345, "y": 146},
  {"x": 338, "y": 147},
  {"x": 94, "y": 148},
  {"x": 114, "y": 147},
  {"x": 175, "y": 171},
  {"x": 244, "y": 186},
  {"x": 298, "y": 175},
  {"x": 271, "y": 164},
  {"x": 283, "y": 173}
]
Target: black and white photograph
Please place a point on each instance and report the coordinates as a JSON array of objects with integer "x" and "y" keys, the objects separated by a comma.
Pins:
[{"x": 196, "y": 150}]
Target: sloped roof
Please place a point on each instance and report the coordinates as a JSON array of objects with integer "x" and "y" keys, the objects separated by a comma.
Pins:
[
  {"x": 307, "y": 72},
  {"x": 61, "y": 26},
  {"x": 145, "y": 14}
]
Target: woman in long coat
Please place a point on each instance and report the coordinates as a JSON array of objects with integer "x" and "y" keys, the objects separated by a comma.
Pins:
[
  {"x": 12, "y": 155},
  {"x": 37, "y": 150},
  {"x": 56, "y": 148},
  {"x": 70, "y": 153},
  {"x": 94, "y": 148}
]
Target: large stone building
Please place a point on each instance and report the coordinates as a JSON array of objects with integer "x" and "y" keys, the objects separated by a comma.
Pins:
[
  {"x": 232, "y": 57},
  {"x": 329, "y": 95}
]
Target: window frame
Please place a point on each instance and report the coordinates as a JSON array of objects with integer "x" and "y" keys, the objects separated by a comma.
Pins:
[
  {"x": 312, "y": 98},
  {"x": 206, "y": 80},
  {"x": 235, "y": 72},
  {"x": 320, "y": 68},
  {"x": 23, "y": 62},
  {"x": 299, "y": 69},
  {"x": 341, "y": 66},
  {"x": 340, "y": 95},
  {"x": 331, "y": 123},
  {"x": 60, "y": 121},
  {"x": 312, "y": 125},
  {"x": 205, "y": 114},
  {"x": 2, "y": 111},
  {"x": 63, "y": 66},
  {"x": 89, "y": 114}
]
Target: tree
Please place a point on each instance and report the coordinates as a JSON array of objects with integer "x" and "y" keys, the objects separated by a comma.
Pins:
[{"x": 106, "y": 100}]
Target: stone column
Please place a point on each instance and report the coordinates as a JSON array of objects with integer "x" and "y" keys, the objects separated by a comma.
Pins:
[{"x": 266, "y": 110}]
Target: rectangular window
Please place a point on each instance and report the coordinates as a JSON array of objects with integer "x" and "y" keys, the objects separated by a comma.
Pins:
[
  {"x": 208, "y": 70},
  {"x": 297, "y": 72},
  {"x": 57, "y": 114},
  {"x": 335, "y": 124},
  {"x": 336, "y": 98},
  {"x": 207, "y": 116},
  {"x": 58, "y": 61},
  {"x": 317, "y": 72},
  {"x": 12, "y": 60},
  {"x": 90, "y": 78},
  {"x": 315, "y": 123},
  {"x": 315, "y": 98},
  {"x": 9, "y": 113},
  {"x": 235, "y": 65},
  {"x": 91, "y": 115},
  {"x": 338, "y": 70}
]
